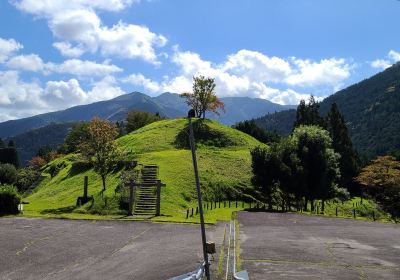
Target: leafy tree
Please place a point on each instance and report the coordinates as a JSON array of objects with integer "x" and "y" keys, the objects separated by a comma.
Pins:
[
  {"x": 381, "y": 179},
  {"x": 2, "y": 144},
  {"x": 308, "y": 114},
  {"x": 138, "y": 119},
  {"x": 342, "y": 144},
  {"x": 203, "y": 97},
  {"x": 250, "y": 127},
  {"x": 37, "y": 162},
  {"x": 291, "y": 177},
  {"x": 78, "y": 134},
  {"x": 100, "y": 148},
  {"x": 8, "y": 173},
  {"x": 266, "y": 166},
  {"x": 318, "y": 161}
]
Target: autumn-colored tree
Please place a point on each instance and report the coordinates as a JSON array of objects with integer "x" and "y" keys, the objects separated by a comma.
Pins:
[
  {"x": 37, "y": 162},
  {"x": 99, "y": 147},
  {"x": 381, "y": 179},
  {"x": 203, "y": 97}
]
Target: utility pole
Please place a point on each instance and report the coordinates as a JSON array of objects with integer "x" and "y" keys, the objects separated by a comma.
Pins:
[{"x": 191, "y": 114}]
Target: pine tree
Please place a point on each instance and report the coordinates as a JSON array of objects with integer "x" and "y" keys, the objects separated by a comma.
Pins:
[
  {"x": 342, "y": 144},
  {"x": 308, "y": 114},
  {"x": 2, "y": 144}
]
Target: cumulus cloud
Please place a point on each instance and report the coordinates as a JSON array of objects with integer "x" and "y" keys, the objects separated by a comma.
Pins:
[
  {"x": 142, "y": 81},
  {"x": 253, "y": 74},
  {"x": 81, "y": 30},
  {"x": 77, "y": 67},
  {"x": 31, "y": 62},
  {"x": 391, "y": 58},
  {"x": 19, "y": 98},
  {"x": 7, "y": 48},
  {"x": 66, "y": 49}
]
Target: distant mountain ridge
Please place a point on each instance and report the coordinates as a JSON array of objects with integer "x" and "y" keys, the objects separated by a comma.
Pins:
[
  {"x": 167, "y": 104},
  {"x": 371, "y": 109}
]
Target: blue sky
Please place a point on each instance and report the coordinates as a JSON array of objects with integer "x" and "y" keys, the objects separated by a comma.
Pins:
[{"x": 57, "y": 54}]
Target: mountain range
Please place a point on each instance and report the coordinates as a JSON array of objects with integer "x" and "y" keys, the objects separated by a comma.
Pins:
[
  {"x": 169, "y": 105},
  {"x": 371, "y": 109},
  {"x": 50, "y": 129}
]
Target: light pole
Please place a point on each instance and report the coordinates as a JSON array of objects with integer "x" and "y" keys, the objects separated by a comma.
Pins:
[{"x": 191, "y": 114}]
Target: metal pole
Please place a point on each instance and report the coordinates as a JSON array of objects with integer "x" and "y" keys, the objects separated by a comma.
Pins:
[{"x": 196, "y": 174}]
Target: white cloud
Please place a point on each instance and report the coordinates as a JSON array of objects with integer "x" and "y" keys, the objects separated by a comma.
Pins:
[
  {"x": 61, "y": 94},
  {"x": 21, "y": 99},
  {"x": 257, "y": 66},
  {"x": 76, "y": 22},
  {"x": 31, "y": 62},
  {"x": 251, "y": 73},
  {"x": 104, "y": 89},
  {"x": 84, "y": 68},
  {"x": 49, "y": 7},
  {"x": 66, "y": 49},
  {"x": 325, "y": 72},
  {"x": 381, "y": 63},
  {"x": 76, "y": 67},
  {"x": 392, "y": 58},
  {"x": 140, "y": 80},
  {"x": 18, "y": 98},
  {"x": 7, "y": 48}
]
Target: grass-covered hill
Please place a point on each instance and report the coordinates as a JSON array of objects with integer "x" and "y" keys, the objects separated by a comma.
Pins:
[{"x": 223, "y": 158}]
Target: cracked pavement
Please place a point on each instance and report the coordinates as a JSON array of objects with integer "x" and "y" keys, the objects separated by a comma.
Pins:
[{"x": 291, "y": 246}]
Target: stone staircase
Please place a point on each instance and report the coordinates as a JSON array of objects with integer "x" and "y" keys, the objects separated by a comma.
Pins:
[{"x": 146, "y": 193}]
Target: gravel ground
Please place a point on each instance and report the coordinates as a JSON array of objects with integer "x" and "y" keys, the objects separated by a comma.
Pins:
[
  {"x": 70, "y": 249},
  {"x": 291, "y": 246}
]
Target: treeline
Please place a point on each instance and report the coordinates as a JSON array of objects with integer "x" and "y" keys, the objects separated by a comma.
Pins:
[{"x": 316, "y": 161}]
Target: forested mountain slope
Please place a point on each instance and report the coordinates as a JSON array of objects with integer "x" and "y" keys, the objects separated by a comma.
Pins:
[{"x": 371, "y": 109}]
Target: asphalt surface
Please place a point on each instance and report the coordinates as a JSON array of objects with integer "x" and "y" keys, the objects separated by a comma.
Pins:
[
  {"x": 290, "y": 246},
  {"x": 68, "y": 249}
]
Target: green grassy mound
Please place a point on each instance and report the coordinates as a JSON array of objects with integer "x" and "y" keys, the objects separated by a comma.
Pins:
[{"x": 224, "y": 166}]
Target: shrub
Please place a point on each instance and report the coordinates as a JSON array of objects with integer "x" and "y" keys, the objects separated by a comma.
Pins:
[
  {"x": 204, "y": 135},
  {"x": 138, "y": 119},
  {"x": 9, "y": 199},
  {"x": 26, "y": 178},
  {"x": 8, "y": 173}
]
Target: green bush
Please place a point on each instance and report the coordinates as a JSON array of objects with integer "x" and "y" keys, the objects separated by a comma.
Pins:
[
  {"x": 9, "y": 199},
  {"x": 8, "y": 173},
  {"x": 204, "y": 135},
  {"x": 26, "y": 178}
]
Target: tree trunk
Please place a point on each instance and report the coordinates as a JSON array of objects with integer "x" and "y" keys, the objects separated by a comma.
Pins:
[
  {"x": 103, "y": 179},
  {"x": 312, "y": 204},
  {"x": 323, "y": 206}
]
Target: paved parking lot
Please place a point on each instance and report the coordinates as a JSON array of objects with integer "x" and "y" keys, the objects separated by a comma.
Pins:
[
  {"x": 68, "y": 249},
  {"x": 290, "y": 246}
]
